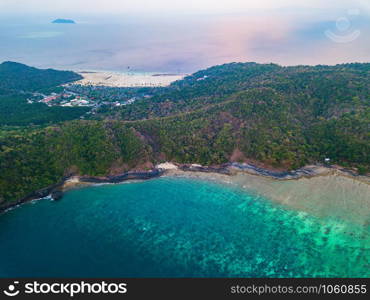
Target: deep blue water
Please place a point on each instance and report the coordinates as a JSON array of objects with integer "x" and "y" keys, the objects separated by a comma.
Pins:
[{"x": 175, "y": 227}]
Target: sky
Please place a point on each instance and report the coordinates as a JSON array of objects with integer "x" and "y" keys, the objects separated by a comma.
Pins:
[
  {"x": 168, "y": 6},
  {"x": 183, "y": 35}
]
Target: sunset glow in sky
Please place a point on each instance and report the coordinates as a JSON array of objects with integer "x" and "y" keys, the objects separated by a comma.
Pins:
[
  {"x": 183, "y": 35},
  {"x": 175, "y": 6}
]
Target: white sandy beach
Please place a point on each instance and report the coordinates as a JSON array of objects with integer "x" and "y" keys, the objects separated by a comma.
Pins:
[{"x": 115, "y": 79}]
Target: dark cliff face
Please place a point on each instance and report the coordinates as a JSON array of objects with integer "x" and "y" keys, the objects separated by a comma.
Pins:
[{"x": 123, "y": 177}]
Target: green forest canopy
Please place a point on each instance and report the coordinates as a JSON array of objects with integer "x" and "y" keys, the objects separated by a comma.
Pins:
[{"x": 284, "y": 117}]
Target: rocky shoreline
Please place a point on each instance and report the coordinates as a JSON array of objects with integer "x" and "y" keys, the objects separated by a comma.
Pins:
[
  {"x": 123, "y": 177},
  {"x": 54, "y": 189},
  {"x": 57, "y": 190},
  {"x": 305, "y": 172}
]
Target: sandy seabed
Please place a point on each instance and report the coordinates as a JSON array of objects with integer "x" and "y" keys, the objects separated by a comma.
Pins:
[{"x": 329, "y": 196}]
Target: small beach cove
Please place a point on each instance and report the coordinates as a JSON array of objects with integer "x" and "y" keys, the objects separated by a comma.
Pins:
[{"x": 317, "y": 190}]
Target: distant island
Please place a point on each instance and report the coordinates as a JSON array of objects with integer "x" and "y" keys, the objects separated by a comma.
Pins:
[{"x": 63, "y": 21}]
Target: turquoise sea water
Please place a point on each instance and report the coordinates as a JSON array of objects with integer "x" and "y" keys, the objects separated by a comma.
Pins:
[{"x": 176, "y": 227}]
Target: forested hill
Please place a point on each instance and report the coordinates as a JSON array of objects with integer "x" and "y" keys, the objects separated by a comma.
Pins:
[
  {"x": 327, "y": 89},
  {"x": 284, "y": 117},
  {"x": 281, "y": 116},
  {"x": 17, "y": 81},
  {"x": 16, "y": 76}
]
